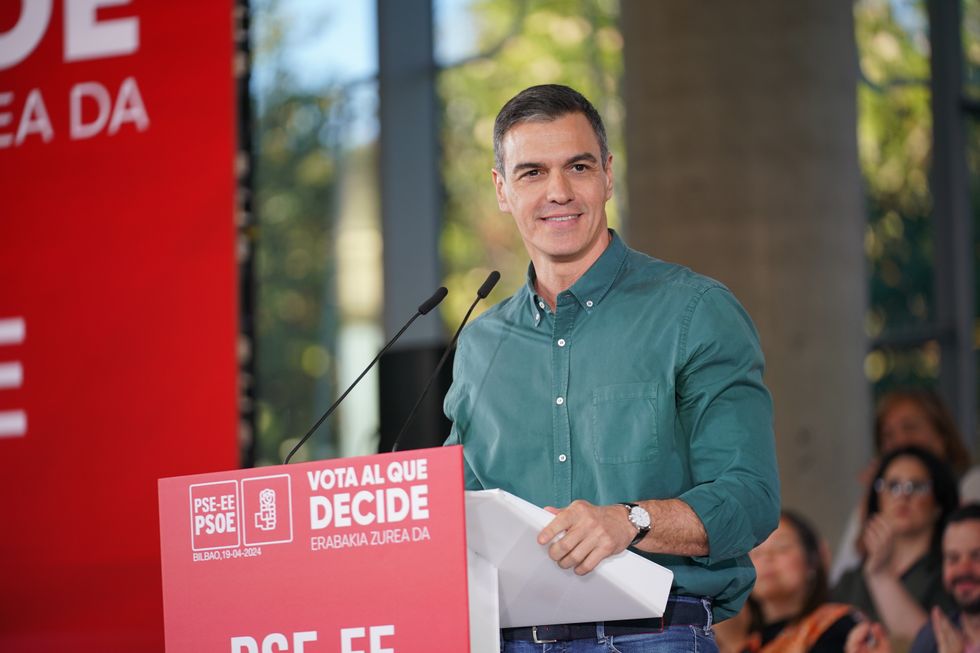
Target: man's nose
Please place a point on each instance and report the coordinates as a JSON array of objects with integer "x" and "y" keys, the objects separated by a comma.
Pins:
[{"x": 559, "y": 189}]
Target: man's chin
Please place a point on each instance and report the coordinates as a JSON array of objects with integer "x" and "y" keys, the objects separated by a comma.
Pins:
[{"x": 970, "y": 606}]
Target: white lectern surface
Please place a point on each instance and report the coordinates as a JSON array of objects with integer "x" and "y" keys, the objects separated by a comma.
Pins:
[{"x": 533, "y": 590}]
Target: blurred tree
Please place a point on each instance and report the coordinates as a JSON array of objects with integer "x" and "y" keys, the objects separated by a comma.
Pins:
[
  {"x": 895, "y": 143},
  {"x": 294, "y": 185},
  {"x": 971, "y": 48}
]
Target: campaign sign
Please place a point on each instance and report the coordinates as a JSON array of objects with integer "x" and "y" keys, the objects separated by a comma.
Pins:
[
  {"x": 118, "y": 303},
  {"x": 355, "y": 555}
]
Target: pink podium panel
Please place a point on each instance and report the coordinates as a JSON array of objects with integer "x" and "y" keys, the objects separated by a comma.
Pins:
[{"x": 355, "y": 555}]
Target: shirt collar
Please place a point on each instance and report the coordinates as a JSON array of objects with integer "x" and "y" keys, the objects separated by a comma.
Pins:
[{"x": 592, "y": 286}]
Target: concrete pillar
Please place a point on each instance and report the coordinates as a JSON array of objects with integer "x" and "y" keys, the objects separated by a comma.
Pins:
[{"x": 743, "y": 165}]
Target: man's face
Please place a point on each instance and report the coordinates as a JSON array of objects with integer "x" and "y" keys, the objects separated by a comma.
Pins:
[
  {"x": 961, "y": 564},
  {"x": 556, "y": 188}
]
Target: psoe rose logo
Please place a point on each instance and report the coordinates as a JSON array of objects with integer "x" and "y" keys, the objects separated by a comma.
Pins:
[
  {"x": 266, "y": 517},
  {"x": 267, "y": 506}
]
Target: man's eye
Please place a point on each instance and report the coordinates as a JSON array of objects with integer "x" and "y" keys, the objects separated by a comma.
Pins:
[
  {"x": 580, "y": 167},
  {"x": 531, "y": 173}
]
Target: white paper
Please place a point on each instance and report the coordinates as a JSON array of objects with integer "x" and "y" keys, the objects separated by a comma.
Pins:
[
  {"x": 534, "y": 590},
  {"x": 484, "y": 604}
]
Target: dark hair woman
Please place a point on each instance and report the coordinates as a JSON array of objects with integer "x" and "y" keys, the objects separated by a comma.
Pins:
[
  {"x": 900, "y": 579},
  {"x": 910, "y": 417},
  {"x": 789, "y": 600}
]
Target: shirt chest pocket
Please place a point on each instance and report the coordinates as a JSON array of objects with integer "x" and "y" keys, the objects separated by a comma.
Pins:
[{"x": 624, "y": 423}]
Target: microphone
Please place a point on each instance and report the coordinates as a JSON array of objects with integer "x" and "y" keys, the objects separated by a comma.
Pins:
[
  {"x": 482, "y": 293},
  {"x": 424, "y": 308}
]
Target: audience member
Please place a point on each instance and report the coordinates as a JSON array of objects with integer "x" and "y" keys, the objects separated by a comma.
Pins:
[
  {"x": 911, "y": 417},
  {"x": 790, "y": 595},
  {"x": 900, "y": 578},
  {"x": 957, "y": 631},
  {"x": 732, "y": 635},
  {"x": 919, "y": 418}
]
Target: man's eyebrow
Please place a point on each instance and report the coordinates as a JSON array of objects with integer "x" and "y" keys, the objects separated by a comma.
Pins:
[
  {"x": 530, "y": 165},
  {"x": 584, "y": 156}
]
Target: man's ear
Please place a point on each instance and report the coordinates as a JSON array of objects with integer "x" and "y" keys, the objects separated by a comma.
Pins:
[
  {"x": 498, "y": 185},
  {"x": 609, "y": 177}
]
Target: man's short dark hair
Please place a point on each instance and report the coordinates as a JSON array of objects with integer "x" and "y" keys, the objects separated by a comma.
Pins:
[
  {"x": 964, "y": 513},
  {"x": 544, "y": 103}
]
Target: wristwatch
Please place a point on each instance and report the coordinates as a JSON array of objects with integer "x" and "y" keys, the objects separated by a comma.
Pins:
[{"x": 640, "y": 518}]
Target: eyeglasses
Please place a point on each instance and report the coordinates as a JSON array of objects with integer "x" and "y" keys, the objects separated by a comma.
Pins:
[{"x": 903, "y": 488}]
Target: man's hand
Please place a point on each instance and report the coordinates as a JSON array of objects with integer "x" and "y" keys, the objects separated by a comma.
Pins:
[
  {"x": 586, "y": 534},
  {"x": 949, "y": 639},
  {"x": 867, "y": 637}
]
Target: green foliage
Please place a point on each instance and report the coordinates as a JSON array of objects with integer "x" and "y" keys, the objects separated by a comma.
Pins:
[
  {"x": 573, "y": 42},
  {"x": 895, "y": 146},
  {"x": 895, "y": 136},
  {"x": 971, "y": 48},
  {"x": 294, "y": 183}
]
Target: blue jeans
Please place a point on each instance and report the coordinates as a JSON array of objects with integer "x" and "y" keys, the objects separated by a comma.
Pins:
[{"x": 679, "y": 639}]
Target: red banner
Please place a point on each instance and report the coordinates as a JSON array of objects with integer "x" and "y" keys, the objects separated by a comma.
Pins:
[
  {"x": 344, "y": 556},
  {"x": 117, "y": 303}
]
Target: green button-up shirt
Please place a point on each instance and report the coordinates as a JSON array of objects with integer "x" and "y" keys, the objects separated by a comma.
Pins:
[{"x": 644, "y": 383}]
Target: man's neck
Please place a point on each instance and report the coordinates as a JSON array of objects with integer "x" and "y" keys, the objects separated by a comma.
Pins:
[
  {"x": 551, "y": 278},
  {"x": 970, "y": 625}
]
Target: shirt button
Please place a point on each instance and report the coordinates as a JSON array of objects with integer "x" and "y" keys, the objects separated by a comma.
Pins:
[
  {"x": 562, "y": 458},
  {"x": 589, "y": 303},
  {"x": 561, "y": 342},
  {"x": 560, "y": 400},
  {"x": 540, "y": 304}
]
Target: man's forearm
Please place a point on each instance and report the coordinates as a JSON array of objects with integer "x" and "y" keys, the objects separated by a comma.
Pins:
[{"x": 674, "y": 529}]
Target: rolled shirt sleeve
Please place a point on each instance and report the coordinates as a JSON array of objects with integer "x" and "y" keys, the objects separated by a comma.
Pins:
[{"x": 727, "y": 412}]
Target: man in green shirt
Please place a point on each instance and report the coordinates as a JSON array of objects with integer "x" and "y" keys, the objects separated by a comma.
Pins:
[{"x": 614, "y": 378}]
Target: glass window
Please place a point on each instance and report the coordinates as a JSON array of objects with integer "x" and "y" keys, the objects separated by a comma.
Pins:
[
  {"x": 318, "y": 252},
  {"x": 971, "y": 48},
  {"x": 895, "y": 143}
]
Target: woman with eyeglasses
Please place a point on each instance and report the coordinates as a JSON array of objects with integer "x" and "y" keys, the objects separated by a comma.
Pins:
[
  {"x": 908, "y": 418},
  {"x": 900, "y": 578}
]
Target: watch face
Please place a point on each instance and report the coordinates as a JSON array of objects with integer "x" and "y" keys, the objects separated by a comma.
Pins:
[{"x": 639, "y": 517}]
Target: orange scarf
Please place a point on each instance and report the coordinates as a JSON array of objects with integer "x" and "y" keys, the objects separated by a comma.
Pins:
[{"x": 799, "y": 637}]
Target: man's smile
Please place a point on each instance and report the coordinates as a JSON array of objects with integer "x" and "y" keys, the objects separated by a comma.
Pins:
[{"x": 560, "y": 218}]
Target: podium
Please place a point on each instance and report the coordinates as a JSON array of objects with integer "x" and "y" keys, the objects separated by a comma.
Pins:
[{"x": 368, "y": 555}]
